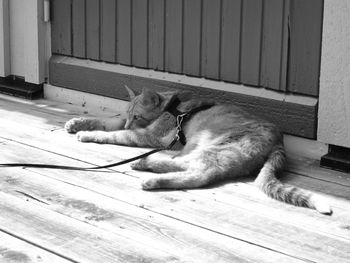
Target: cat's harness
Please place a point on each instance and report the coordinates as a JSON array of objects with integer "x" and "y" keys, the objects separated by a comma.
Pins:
[{"x": 181, "y": 117}]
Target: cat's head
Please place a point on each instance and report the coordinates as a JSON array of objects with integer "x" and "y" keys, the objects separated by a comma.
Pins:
[{"x": 145, "y": 107}]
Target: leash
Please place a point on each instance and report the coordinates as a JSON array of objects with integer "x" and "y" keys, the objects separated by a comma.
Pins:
[
  {"x": 179, "y": 136},
  {"x": 179, "y": 120},
  {"x": 64, "y": 167}
]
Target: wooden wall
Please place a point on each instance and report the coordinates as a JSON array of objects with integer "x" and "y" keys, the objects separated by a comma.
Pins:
[{"x": 265, "y": 43}]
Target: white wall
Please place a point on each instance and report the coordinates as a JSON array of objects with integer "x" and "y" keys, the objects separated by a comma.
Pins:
[
  {"x": 24, "y": 39},
  {"x": 334, "y": 103}
]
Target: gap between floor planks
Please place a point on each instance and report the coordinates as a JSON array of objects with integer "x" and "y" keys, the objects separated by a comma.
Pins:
[{"x": 13, "y": 249}]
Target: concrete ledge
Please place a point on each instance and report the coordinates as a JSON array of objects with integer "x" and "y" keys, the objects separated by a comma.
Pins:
[
  {"x": 294, "y": 114},
  {"x": 90, "y": 101}
]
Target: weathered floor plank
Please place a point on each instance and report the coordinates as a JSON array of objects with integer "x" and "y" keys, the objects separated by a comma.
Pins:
[
  {"x": 229, "y": 222},
  {"x": 127, "y": 191},
  {"x": 13, "y": 249},
  {"x": 51, "y": 116},
  {"x": 118, "y": 217},
  {"x": 232, "y": 220},
  {"x": 78, "y": 241},
  {"x": 60, "y": 142},
  {"x": 311, "y": 168}
]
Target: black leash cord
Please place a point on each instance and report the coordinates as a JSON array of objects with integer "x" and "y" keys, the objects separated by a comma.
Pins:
[{"x": 63, "y": 167}]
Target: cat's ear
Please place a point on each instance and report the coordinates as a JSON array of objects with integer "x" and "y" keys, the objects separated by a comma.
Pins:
[
  {"x": 166, "y": 99},
  {"x": 131, "y": 93},
  {"x": 150, "y": 97}
]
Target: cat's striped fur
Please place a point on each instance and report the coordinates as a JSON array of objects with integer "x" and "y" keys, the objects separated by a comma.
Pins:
[{"x": 223, "y": 142}]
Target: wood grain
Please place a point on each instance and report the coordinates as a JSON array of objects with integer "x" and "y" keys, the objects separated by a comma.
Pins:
[
  {"x": 108, "y": 30},
  {"x": 252, "y": 13},
  {"x": 233, "y": 220},
  {"x": 140, "y": 33},
  {"x": 61, "y": 27},
  {"x": 78, "y": 28},
  {"x": 230, "y": 40},
  {"x": 12, "y": 249},
  {"x": 70, "y": 237},
  {"x": 137, "y": 224},
  {"x": 173, "y": 36},
  {"x": 124, "y": 33},
  {"x": 93, "y": 29},
  {"x": 273, "y": 45},
  {"x": 304, "y": 64},
  {"x": 211, "y": 39},
  {"x": 192, "y": 37},
  {"x": 86, "y": 209},
  {"x": 156, "y": 34}
]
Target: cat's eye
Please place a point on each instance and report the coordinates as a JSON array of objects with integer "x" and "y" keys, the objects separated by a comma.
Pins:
[{"x": 137, "y": 117}]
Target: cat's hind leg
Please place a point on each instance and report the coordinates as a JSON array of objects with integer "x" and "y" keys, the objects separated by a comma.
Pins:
[
  {"x": 160, "y": 163},
  {"x": 181, "y": 180}
]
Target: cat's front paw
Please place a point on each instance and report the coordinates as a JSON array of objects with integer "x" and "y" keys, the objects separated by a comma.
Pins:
[
  {"x": 85, "y": 136},
  {"x": 150, "y": 183},
  {"x": 76, "y": 124}
]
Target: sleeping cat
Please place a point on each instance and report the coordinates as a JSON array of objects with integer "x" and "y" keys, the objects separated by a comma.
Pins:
[{"x": 222, "y": 142}]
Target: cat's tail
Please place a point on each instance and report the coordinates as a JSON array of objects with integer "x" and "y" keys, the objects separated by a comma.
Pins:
[{"x": 271, "y": 186}]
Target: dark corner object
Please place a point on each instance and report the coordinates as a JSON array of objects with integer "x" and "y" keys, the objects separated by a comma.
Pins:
[
  {"x": 337, "y": 158},
  {"x": 16, "y": 86}
]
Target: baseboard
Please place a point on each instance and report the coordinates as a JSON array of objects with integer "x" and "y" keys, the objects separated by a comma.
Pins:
[{"x": 17, "y": 87}]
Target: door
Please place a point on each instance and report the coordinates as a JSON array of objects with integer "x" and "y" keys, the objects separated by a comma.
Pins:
[{"x": 264, "y": 53}]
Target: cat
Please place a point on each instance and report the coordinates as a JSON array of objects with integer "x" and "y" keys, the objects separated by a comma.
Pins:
[{"x": 222, "y": 142}]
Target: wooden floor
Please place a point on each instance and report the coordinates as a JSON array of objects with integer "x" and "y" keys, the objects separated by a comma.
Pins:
[{"x": 74, "y": 216}]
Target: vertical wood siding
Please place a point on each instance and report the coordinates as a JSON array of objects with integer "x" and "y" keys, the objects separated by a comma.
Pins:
[
  {"x": 264, "y": 43},
  {"x": 274, "y": 50},
  {"x": 192, "y": 37},
  {"x": 108, "y": 30},
  {"x": 305, "y": 46},
  {"x": 156, "y": 34},
  {"x": 78, "y": 28},
  {"x": 61, "y": 27}
]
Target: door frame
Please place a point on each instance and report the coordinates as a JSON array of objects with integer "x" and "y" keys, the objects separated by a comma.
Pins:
[
  {"x": 5, "y": 66},
  {"x": 334, "y": 101}
]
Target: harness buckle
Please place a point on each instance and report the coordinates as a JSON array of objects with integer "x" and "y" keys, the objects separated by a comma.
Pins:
[
  {"x": 179, "y": 120},
  {"x": 179, "y": 136}
]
